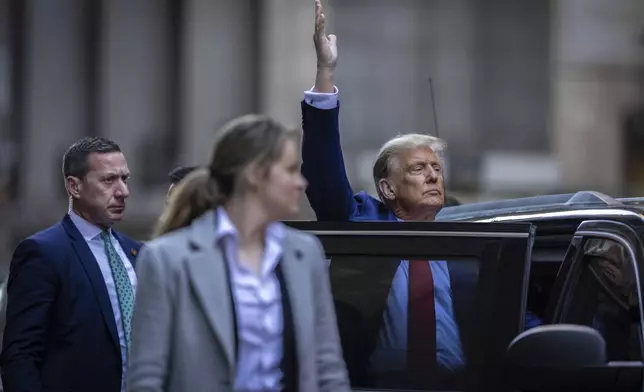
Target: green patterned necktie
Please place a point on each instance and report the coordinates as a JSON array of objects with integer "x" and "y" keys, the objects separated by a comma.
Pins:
[{"x": 123, "y": 285}]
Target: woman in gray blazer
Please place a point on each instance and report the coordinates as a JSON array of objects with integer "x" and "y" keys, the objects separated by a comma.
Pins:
[{"x": 228, "y": 298}]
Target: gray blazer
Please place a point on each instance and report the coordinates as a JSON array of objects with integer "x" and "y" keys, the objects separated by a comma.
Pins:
[{"x": 182, "y": 331}]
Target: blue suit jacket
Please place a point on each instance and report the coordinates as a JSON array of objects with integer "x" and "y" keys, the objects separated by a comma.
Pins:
[
  {"x": 60, "y": 332},
  {"x": 329, "y": 191}
]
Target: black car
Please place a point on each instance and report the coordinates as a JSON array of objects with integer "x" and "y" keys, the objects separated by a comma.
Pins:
[{"x": 571, "y": 263}]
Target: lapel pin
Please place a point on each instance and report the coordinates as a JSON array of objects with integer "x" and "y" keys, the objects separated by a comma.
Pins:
[{"x": 133, "y": 252}]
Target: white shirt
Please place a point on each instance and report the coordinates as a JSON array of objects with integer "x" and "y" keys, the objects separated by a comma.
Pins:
[
  {"x": 258, "y": 304},
  {"x": 91, "y": 234}
]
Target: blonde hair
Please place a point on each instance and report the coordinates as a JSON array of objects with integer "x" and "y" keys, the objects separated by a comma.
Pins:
[
  {"x": 246, "y": 140},
  {"x": 384, "y": 164},
  {"x": 190, "y": 198}
]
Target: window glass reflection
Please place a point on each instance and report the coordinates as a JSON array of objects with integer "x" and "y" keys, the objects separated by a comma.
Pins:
[
  {"x": 605, "y": 297},
  {"x": 404, "y": 324}
]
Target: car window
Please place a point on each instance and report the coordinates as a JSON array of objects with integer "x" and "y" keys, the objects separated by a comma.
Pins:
[
  {"x": 605, "y": 297},
  {"x": 387, "y": 316}
]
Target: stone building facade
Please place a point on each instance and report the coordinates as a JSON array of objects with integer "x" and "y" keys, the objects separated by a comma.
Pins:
[{"x": 530, "y": 95}]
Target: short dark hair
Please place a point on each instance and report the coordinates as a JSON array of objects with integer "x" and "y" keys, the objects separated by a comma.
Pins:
[
  {"x": 179, "y": 173},
  {"x": 75, "y": 161}
]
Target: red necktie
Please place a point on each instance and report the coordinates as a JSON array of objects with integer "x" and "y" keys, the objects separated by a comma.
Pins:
[{"x": 421, "y": 318}]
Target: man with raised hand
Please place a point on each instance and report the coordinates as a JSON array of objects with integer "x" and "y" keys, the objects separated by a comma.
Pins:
[{"x": 408, "y": 175}]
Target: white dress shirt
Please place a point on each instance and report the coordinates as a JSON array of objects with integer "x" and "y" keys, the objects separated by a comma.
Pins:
[
  {"x": 91, "y": 234},
  {"x": 258, "y": 304}
]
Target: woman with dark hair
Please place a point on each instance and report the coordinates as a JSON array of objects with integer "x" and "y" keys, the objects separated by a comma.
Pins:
[{"x": 230, "y": 299}]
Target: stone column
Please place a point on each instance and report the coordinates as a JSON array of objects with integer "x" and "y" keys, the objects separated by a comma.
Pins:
[
  {"x": 596, "y": 59},
  {"x": 288, "y": 62},
  {"x": 287, "y": 57},
  {"x": 55, "y": 107},
  {"x": 134, "y": 92},
  {"x": 218, "y": 68},
  {"x": 446, "y": 53}
]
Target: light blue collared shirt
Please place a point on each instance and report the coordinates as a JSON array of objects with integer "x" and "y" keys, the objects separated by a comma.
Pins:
[
  {"x": 391, "y": 349},
  {"x": 91, "y": 234},
  {"x": 259, "y": 309}
]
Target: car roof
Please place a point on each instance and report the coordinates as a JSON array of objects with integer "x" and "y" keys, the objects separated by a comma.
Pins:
[{"x": 579, "y": 201}]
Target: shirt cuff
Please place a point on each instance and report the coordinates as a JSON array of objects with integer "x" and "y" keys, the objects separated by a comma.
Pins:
[{"x": 322, "y": 101}]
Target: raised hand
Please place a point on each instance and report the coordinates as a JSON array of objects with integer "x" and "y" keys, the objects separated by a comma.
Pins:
[{"x": 325, "y": 46}]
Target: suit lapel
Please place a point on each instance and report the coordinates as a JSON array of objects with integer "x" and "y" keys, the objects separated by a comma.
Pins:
[
  {"x": 209, "y": 278},
  {"x": 297, "y": 277},
  {"x": 87, "y": 260},
  {"x": 130, "y": 248}
]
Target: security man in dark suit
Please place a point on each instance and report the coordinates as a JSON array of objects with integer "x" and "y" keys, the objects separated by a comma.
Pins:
[{"x": 71, "y": 287}]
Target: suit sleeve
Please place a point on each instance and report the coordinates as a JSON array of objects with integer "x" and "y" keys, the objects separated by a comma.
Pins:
[
  {"x": 329, "y": 191},
  {"x": 531, "y": 320},
  {"x": 31, "y": 292},
  {"x": 332, "y": 371},
  {"x": 151, "y": 325}
]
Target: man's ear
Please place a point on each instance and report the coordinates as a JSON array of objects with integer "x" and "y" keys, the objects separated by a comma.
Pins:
[
  {"x": 387, "y": 189},
  {"x": 74, "y": 186}
]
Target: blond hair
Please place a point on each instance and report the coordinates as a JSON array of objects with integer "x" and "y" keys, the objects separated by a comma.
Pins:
[
  {"x": 189, "y": 199},
  {"x": 250, "y": 139}
]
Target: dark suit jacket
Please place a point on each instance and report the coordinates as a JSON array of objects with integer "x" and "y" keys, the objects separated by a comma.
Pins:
[
  {"x": 329, "y": 191},
  {"x": 60, "y": 333}
]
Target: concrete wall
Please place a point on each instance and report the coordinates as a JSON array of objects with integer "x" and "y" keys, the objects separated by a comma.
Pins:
[{"x": 596, "y": 75}]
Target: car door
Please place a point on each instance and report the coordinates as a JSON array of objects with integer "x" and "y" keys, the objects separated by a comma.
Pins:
[
  {"x": 485, "y": 268},
  {"x": 600, "y": 286}
]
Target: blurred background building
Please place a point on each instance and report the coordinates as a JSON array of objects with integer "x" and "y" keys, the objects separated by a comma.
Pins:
[{"x": 533, "y": 96}]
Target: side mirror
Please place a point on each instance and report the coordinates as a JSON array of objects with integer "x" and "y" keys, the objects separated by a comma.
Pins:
[
  {"x": 557, "y": 357},
  {"x": 558, "y": 345}
]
